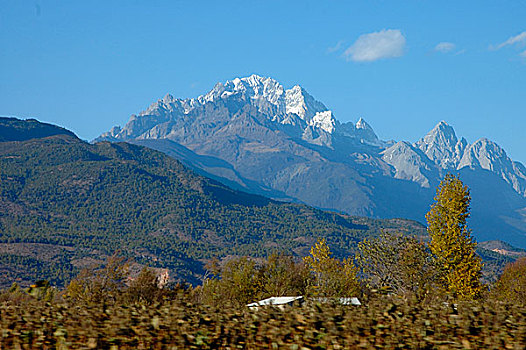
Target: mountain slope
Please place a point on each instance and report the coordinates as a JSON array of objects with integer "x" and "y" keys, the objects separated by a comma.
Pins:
[
  {"x": 65, "y": 203},
  {"x": 288, "y": 145}
]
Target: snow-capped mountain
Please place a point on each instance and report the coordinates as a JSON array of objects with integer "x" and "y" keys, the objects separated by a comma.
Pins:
[
  {"x": 254, "y": 134},
  {"x": 293, "y": 107}
]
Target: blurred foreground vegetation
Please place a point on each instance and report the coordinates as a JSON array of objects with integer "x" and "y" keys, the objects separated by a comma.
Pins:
[
  {"x": 103, "y": 308},
  {"x": 181, "y": 323}
]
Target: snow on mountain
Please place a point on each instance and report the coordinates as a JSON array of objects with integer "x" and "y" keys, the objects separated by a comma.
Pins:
[
  {"x": 300, "y": 102},
  {"x": 366, "y": 133},
  {"x": 294, "y": 107},
  {"x": 303, "y": 117},
  {"x": 325, "y": 121},
  {"x": 252, "y": 87}
]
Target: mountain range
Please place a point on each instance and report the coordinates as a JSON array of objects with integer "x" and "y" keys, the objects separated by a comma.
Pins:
[
  {"x": 66, "y": 204},
  {"x": 254, "y": 135}
]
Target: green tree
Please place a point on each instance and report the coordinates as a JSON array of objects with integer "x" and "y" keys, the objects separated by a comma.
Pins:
[
  {"x": 42, "y": 290},
  {"x": 332, "y": 277},
  {"x": 280, "y": 276},
  {"x": 396, "y": 262},
  {"x": 144, "y": 288},
  {"x": 242, "y": 280},
  {"x": 235, "y": 283},
  {"x": 102, "y": 284},
  {"x": 451, "y": 244}
]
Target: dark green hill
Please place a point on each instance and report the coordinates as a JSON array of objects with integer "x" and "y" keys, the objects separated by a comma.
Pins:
[
  {"x": 65, "y": 203},
  {"x": 12, "y": 129}
]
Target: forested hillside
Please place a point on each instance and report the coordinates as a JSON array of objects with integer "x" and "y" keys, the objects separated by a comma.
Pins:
[
  {"x": 13, "y": 129},
  {"x": 65, "y": 204}
]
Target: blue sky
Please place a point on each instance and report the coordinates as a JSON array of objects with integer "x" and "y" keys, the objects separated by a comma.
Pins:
[{"x": 402, "y": 65}]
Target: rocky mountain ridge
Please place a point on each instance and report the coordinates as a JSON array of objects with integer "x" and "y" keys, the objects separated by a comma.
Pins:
[
  {"x": 294, "y": 107},
  {"x": 285, "y": 144}
]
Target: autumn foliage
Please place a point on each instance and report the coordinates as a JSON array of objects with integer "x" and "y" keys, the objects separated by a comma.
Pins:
[
  {"x": 511, "y": 286},
  {"x": 451, "y": 244},
  {"x": 331, "y": 277}
]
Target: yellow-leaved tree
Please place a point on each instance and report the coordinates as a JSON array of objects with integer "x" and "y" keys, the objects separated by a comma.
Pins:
[
  {"x": 331, "y": 277},
  {"x": 451, "y": 244}
]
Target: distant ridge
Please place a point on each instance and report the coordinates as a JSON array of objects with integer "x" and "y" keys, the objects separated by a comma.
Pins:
[{"x": 13, "y": 129}]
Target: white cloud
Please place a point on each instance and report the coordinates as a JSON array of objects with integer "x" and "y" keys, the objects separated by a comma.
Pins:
[
  {"x": 374, "y": 46},
  {"x": 445, "y": 47},
  {"x": 517, "y": 39}
]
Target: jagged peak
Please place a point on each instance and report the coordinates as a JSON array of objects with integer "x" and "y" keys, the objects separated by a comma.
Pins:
[
  {"x": 253, "y": 81},
  {"x": 362, "y": 124},
  {"x": 442, "y": 124},
  {"x": 299, "y": 101},
  {"x": 463, "y": 141},
  {"x": 443, "y": 128},
  {"x": 296, "y": 88},
  {"x": 325, "y": 121},
  {"x": 167, "y": 99},
  {"x": 442, "y": 135},
  {"x": 488, "y": 145},
  {"x": 254, "y": 86},
  {"x": 483, "y": 140}
]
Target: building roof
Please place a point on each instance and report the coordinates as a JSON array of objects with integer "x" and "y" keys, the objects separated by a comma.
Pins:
[
  {"x": 275, "y": 301},
  {"x": 343, "y": 301}
]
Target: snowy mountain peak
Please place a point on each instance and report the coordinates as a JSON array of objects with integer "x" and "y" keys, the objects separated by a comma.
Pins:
[
  {"x": 362, "y": 132},
  {"x": 366, "y": 133},
  {"x": 257, "y": 87},
  {"x": 442, "y": 132},
  {"x": 167, "y": 99},
  {"x": 486, "y": 154},
  {"x": 298, "y": 101},
  {"x": 362, "y": 124},
  {"x": 252, "y": 87},
  {"x": 255, "y": 80},
  {"x": 325, "y": 121},
  {"x": 440, "y": 145}
]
